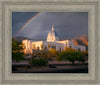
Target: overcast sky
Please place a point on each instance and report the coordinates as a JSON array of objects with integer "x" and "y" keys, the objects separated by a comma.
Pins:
[{"x": 67, "y": 24}]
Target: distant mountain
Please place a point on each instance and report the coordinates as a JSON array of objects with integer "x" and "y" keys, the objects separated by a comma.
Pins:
[
  {"x": 20, "y": 38},
  {"x": 81, "y": 40},
  {"x": 23, "y": 38}
]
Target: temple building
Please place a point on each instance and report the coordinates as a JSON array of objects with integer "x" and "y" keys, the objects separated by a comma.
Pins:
[{"x": 51, "y": 42}]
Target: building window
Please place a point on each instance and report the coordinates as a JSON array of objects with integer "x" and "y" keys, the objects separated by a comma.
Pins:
[
  {"x": 59, "y": 49},
  {"x": 54, "y": 47},
  {"x": 45, "y": 48},
  {"x": 33, "y": 46}
]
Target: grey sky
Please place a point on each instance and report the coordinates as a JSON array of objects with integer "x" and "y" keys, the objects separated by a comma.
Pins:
[{"x": 67, "y": 24}]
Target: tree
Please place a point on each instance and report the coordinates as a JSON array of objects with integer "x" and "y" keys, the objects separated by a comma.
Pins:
[
  {"x": 17, "y": 50},
  {"x": 53, "y": 51},
  {"x": 69, "y": 49},
  {"x": 17, "y": 56},
  {"x": 62, "y": 56},
  {"x": 44, "y": 54},
  {"x": 85, "y": 53},
  {"x": 17, "y": 46},
  {"x": 38, "y": 62},
  {"x": 71, "y": 55},
  {"x": 82, "y": 56}
]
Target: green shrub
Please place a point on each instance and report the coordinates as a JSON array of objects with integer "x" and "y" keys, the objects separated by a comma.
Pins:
[
  {"x": 17, "y": 56},
  {"x": 71, "y": 55},
  {"x": 38, "y": 62},
  {"x": 80, "y": 59}
]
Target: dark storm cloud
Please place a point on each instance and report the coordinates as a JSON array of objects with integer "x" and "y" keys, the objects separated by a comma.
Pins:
[
  {"x": 66, "y": 24},
  {"x": 19, "y": 19}
]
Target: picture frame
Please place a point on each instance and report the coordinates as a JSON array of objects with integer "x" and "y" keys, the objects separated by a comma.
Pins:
[{"x": 9, "y": 6}]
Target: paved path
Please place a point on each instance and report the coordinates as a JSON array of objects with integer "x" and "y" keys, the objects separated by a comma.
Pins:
[
  {"x": 50, "y": 62},
  {"x": 75, "y": 69}
]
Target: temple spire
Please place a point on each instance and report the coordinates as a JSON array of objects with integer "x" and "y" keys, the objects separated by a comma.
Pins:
[{"x": 52, "y": 27}]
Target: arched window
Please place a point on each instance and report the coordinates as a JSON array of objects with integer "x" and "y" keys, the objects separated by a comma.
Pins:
[
  {"x": 59, "y": 49},
  {"x": 45, "y": 48},
  {"x": 54, "y": 47}
]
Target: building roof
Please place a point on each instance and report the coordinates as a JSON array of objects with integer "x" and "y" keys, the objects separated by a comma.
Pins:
[{"x": 53, "y": 32}]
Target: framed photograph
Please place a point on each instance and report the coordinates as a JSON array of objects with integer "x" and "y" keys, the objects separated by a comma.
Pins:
[
  {"x": 49, "y": 42},
  {"x": 37, "y": 48}
]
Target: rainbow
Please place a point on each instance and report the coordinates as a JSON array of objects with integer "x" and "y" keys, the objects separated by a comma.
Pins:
[{"x": 28, "y": 22}]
